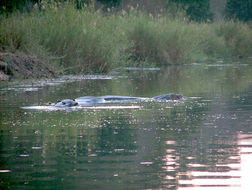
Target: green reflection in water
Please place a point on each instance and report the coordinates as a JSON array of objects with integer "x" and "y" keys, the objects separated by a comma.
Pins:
[{"x": 157, "y": 146}]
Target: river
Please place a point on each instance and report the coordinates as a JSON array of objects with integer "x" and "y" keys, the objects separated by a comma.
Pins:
[{"x": 202, "y": 143}]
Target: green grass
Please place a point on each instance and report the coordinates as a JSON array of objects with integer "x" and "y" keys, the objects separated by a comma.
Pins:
[{"x": 88, "y": 41}]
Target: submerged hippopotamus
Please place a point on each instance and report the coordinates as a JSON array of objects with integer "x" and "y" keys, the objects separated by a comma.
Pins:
[
  {"x": 66, "y": 103},
  {"x": 92, "y": 101},
  {"x": 171, "y": 96}
]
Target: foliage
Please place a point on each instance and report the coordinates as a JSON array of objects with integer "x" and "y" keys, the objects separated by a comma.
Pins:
[
  {"x": 79, "y": 40},
  {"x": 7, "y": 6},
  {"x": 237, "y": 37},
  {"x": 239, "y": 9},
  {"x": 160, "y": 41},
  {"x": 87, "y": 41},
  {"x": 110, "y": 3},
  {"x": 197, "y": 10}
]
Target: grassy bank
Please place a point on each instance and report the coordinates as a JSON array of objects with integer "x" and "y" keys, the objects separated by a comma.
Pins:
[{"x": 88, "y": 41}]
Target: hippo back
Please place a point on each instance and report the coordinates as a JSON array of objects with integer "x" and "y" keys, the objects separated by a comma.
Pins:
[{"x": 119, "y": 98}]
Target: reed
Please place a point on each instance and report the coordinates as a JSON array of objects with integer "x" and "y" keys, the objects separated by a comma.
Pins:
[{"x": 89, "y": 41}]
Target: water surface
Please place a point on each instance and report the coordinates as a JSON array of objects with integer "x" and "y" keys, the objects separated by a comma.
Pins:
[{"x": 203, "y": 143}]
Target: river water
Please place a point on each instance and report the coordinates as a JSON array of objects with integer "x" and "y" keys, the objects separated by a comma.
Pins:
[{"x": 203, "y": 143}]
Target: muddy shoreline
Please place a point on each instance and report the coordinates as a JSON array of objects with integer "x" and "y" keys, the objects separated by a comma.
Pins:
[{"x": 22, "y": 66}]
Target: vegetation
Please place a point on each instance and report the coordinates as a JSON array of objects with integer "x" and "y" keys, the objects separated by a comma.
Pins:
[
  {"x": 197, "y": 10},
  {"x": 239, "y": 9},
  {"x": 84, "y": 40}
]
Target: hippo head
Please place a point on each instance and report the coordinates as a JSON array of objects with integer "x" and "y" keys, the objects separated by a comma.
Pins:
[
  {"x": 171, "y": 96},
  {"x": 66, "y": 103},
  {"x": 176, "y": 96}
]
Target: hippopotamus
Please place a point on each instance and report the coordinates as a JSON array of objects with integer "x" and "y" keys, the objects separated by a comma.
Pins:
[
  {"x": 91, "y": 102},
  {"x": 171, "y": 96},
  {"x": 66, "y": 103},
  {"x": 94, "y": 101}
]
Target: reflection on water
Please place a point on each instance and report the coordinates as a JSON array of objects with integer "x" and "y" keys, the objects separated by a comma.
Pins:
[
  {"x": 38, "y": 84},
  {"x": 234, "y": 175},
  {"x": 245, "y": 145},
  {"x": 201, "y": 143}
]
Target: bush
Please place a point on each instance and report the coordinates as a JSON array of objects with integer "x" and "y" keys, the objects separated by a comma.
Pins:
[
  {"x": 79, "y": 39},
  {"x": 87, "y": 41},
  {"x": 237, "y": 37},
  {"x": 239, "y": 10}
]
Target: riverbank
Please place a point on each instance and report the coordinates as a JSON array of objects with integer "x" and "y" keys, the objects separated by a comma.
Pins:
[
  {"x": 21, "y": 66},
  {"x": 87, "y": 41}
]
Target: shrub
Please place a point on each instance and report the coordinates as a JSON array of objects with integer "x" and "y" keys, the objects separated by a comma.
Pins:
[
  {"x": 237, "y": 37},
  {"x": 88, "y": 41}
]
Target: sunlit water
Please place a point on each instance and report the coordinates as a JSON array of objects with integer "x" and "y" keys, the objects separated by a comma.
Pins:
[{"x": 203, "y": 143}]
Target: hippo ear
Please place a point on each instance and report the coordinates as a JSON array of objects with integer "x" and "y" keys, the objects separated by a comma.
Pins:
[
  {"x": 58, "y": 101},
  {"x": 73, "y": 99}
]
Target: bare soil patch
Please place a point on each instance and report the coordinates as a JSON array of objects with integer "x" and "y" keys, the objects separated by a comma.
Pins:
[{"x": 21, "y": 66}]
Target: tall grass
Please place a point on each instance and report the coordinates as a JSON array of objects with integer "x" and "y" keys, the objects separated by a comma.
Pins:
[
  {"x": 79, "y": 40},
  {"x": 88, "y": 41}
]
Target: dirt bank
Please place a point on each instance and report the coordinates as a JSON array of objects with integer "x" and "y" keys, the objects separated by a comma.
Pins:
[{"x": 21, "y": 66}]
